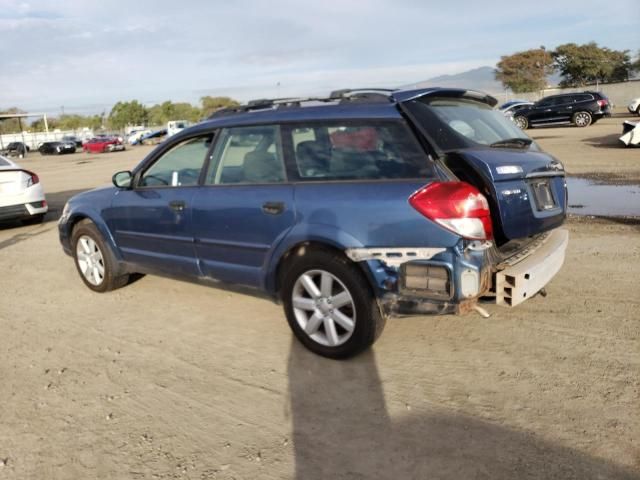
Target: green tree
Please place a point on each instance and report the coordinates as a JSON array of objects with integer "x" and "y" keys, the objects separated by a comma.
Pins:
[
  {"x": 635, "y": 66},
  {"x": 160, "y": 114},
  {"x": 525, "y": 71},
  {"x": 128, "y": 113},
  {"x": 580, "y": 65},
  {"x": 211, "y": 104},
  {"x": 68, "y": 122}
]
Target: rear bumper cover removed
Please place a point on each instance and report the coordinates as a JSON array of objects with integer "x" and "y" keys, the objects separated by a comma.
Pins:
[{"x": 521, "y": 280}]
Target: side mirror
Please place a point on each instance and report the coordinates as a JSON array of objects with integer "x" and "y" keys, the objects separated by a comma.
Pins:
[{"x": 122, "y": 179}]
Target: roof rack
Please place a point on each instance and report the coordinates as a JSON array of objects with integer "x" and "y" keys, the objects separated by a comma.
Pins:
[{"x": 347, "y": 95}]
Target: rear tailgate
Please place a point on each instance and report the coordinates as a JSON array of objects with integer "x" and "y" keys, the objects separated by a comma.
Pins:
[{"x": 527, "y": 188}]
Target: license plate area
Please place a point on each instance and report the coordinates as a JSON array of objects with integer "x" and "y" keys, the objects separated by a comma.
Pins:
[{"x": 543, "y": 195}]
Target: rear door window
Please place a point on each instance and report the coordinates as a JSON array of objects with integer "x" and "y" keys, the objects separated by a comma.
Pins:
[
  {"x": 246, "y": 155},
  {"x": 356, "y": 150}
]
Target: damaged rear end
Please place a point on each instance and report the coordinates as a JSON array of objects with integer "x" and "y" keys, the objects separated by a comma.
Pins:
[{"x": 502, "y": 195}]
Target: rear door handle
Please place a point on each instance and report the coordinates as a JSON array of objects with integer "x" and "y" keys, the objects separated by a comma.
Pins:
[
  {"x": 273, "y": 208},
  {"x": 177, "y": 205}
]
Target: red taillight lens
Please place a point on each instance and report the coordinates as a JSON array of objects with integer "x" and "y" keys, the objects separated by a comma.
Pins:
[
  {"x": 33, "y": 178},
  {"x": 457, "y": 206},
  {"x": 603, "y": 103}
]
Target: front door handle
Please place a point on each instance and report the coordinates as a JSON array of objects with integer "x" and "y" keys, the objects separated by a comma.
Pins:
[
  {"x": 177, "y": 205},
  {"x": 273, "y": 208}
]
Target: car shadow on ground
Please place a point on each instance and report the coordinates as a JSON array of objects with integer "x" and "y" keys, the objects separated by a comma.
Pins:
[
  {"x": 606, "y": 141},
  {"x": 342, "y": 430}
]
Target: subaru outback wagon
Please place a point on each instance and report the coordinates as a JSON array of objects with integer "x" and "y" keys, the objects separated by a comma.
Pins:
[{"x": 346, "y": 209}]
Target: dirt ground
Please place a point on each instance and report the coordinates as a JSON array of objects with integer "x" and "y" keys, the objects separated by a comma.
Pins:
[{"x": 166, "y": 379}]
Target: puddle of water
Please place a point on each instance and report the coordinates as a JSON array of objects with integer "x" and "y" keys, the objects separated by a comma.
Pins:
[{"x": 588, "y": 198}]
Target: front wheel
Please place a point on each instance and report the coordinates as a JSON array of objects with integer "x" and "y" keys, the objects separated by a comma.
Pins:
[
  {"x": 521, "y": 122},
  {"x": 329, "y": 305},
  {"x": 93, "y": 258},
  {"x": 582, "y": 119}
]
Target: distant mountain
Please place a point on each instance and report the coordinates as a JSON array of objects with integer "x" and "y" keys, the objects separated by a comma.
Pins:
[{"x": 482, "y": 78}]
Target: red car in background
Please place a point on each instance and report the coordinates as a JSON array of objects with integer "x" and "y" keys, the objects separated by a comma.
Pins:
[{"x": 103, "y": 144}]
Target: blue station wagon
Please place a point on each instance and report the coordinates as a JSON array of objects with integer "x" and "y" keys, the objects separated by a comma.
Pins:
[{"x": 346, "y": 209}]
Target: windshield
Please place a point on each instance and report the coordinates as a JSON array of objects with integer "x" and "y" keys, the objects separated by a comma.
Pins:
[{"x": 454, "y": 123}]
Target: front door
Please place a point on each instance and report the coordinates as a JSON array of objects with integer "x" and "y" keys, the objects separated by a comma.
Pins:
[
  {"x": 152, "y": 222},
  {"x": 245, "y": 206}
]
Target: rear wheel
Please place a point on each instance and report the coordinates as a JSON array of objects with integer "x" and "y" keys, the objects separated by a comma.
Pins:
[
  {"x": 329, "y": 305},
  {"x": 582, "y": 119},
  {"x": 94, "y": 260},
  {"x": 521, "y": 122}
]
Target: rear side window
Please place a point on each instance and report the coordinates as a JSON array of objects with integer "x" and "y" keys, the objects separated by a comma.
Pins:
[
  {"x": 357, "y": 151},
  {"x": 582, "y": 97}
]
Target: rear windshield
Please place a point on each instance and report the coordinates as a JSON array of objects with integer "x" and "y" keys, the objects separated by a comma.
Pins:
[
  {"x": 454, "y": 123},
  {"x": 357, "y": 150}
]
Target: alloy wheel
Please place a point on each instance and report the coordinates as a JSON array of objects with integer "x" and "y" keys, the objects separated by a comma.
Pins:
[
  {"x": 90, "y": 260},
  {"x": 582, "y": 119},
  {"x": 323, "y": 308}
]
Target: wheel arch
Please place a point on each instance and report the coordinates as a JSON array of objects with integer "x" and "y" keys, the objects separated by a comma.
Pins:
[
  {"x": 79, "y": 217},
  {"x": 288, "y": 249}
]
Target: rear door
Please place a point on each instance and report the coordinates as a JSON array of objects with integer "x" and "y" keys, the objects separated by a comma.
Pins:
[
  {"x": 152, "y": 222},
  {"x": 245, "y": 206}
]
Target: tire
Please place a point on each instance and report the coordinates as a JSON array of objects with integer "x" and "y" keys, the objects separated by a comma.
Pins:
[
  {"x": 582, "y": 119},
  {"x": 521, "y": 122},
  {"x": 94, "y": 260},
  {"x": 313, "y": 285}
]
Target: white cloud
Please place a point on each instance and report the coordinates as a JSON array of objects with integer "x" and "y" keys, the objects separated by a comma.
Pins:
[{"x": 76, "y": 52}]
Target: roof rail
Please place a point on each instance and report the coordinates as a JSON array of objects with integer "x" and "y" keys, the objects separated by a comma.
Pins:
[{"x": 358, "y": 95}]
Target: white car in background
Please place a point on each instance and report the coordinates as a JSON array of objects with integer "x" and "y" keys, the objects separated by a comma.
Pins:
[
  {"x": 21, "y": 194},
  {"x": 634, "y": 106}
]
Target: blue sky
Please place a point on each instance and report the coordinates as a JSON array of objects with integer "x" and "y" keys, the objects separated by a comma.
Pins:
[{"x": 86, "y": 55}]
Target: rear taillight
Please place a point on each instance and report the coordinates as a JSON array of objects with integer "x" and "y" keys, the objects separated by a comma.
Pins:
[
  {"x": 457, "y": 206},
  {"x": 33, "y": 178},
  {"x": 602, "y": 103}
]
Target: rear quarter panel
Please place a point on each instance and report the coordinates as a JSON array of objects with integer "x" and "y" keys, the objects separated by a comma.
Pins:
[{"x": 358, "y": 214}]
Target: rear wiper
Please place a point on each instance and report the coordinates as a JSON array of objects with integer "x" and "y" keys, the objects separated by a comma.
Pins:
[{"x": 513, "y": 142}]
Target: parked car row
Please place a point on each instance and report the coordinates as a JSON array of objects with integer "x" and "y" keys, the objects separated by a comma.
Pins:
[{"x": 68, "y": 144}]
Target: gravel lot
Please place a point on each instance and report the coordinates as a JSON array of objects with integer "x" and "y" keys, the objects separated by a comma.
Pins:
[{"x": 166, "y": 379}]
